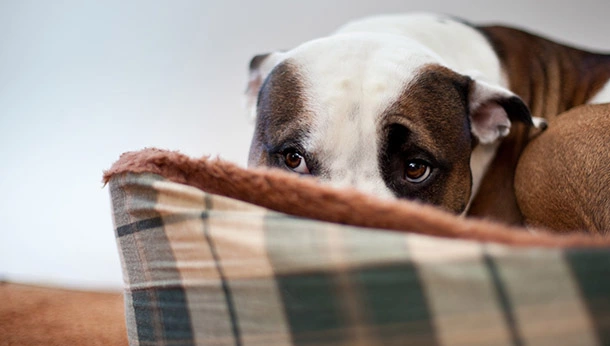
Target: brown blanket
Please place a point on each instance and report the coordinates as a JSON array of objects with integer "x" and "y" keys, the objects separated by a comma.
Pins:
[
  {"x": 46, "y": 316},
  {"x": 300, "y": 196}
]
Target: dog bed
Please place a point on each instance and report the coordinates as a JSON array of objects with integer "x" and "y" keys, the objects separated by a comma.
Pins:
[{"x": 214, "y": 254}]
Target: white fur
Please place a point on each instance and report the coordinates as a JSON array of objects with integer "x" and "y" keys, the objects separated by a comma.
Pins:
[
  {"x": 463, "y": 48},
  {"x": 539, "y": 123},
  {"x": 480, "y": 159},
  {"x": 603, "y": 96},
  {"x": 360, "y": 76}
]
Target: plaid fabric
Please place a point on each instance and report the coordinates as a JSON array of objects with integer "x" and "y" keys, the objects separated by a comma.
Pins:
[{"x": 201, "y": 269}]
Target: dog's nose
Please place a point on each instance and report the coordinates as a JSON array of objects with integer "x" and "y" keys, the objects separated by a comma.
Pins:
[{"x": 368, "y": 184}]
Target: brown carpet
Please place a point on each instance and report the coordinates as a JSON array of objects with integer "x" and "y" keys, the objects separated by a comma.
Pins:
[{"x": 31, "y": 315}]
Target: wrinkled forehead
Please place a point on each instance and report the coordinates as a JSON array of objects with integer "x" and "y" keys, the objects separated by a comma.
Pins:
[{"x": 358, "y": 66}]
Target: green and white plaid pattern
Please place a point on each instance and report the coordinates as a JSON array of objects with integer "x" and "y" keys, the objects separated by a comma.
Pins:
[{"x": 201, "y": 269}]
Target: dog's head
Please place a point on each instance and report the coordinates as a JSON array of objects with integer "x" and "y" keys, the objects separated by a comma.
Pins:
[{"x": 378, "y": 113}]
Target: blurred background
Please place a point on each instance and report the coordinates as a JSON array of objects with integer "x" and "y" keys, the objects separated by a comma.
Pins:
[{"x": 83, "y": 81}]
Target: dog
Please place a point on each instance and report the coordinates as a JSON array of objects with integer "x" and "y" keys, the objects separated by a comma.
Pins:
[{"x": 418, "y": 106}]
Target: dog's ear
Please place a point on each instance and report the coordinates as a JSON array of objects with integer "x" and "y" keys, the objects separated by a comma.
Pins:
[
  {"x": 260, "y": 67},
  {"x": 492, "y": 108}
]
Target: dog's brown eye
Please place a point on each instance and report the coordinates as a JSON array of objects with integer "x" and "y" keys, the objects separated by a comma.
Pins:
[
  {"x": 295, "y": 161},
  {"x": 417, "y": 171}
]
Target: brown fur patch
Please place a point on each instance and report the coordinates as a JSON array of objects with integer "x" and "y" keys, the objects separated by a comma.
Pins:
[
  {"x": 294, "y": 195},
  {"x": 281, "y": 115},
  {"x": 433, "y": 110},
  {"x": 562, "y": 181},
  {"x": 551, "y": 78}
]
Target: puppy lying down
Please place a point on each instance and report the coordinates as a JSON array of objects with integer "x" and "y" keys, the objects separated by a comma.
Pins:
[{"x": 427, "y": 107}]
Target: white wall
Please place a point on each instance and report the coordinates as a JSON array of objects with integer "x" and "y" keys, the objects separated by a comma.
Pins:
[{"x": 83, "y": 81}]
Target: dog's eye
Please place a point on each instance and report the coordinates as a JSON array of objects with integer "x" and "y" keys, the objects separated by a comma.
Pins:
[
  {"x": 417, "y": 171},
  {"x": 295, "y": 161}
]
